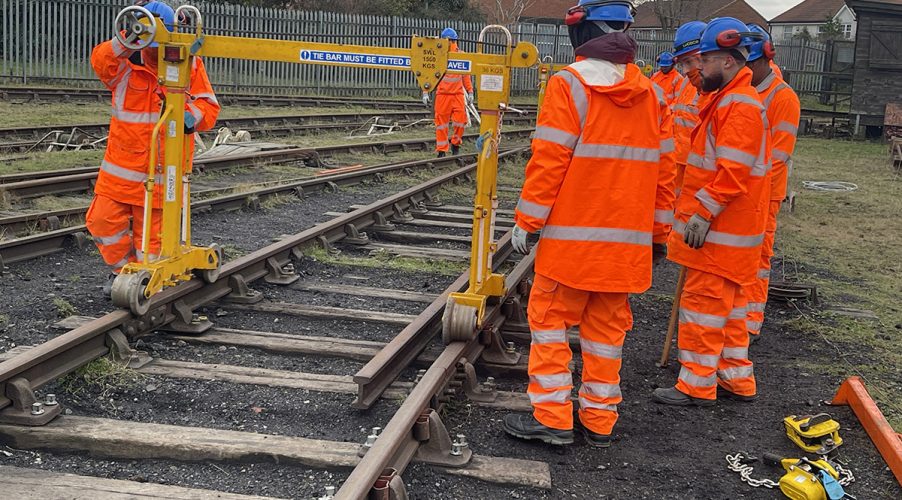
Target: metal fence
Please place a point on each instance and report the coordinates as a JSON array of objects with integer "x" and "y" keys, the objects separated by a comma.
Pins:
[{"x": 50, "y": 41}]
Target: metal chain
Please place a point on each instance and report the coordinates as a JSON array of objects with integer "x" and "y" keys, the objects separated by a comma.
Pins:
[
  {"x": 745, "y": 472},
  {"x": 845, "y": 475}
]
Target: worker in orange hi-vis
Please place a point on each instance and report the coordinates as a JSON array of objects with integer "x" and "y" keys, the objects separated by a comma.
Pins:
[
  {"x": 721, "y": 215},
  {"x": 599, "y": 186},
  {"x": 452, "y": 95},
  {"x": 116, "y": 215},
  {"x": 689, "y": 98},
  {"x": 667, "y": 77},
  {"x": 783, "y": 114}
]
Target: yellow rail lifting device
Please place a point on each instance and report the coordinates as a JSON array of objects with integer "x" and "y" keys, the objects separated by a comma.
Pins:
[{"x": 429, "y": 58}]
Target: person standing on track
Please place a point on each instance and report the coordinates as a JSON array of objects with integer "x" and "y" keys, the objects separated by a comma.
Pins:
[
  {"x": 783, "y": 113},
  {"x": 720, "y": 222},
  {"x": 599, "y": 186},
  {"x": 452, "y": 95},
  {"x": 666, "y": 78},
  {"x": 116, "y": 216}
]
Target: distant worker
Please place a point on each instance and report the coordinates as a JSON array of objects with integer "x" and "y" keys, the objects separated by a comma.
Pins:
[
  {"x": 783, "y": 113},
  {"x": 116, "y": 215},
  {"x": 720, "y": 219},
  {"x": 599, "y": 187},
  {"x": 688, "y": 99},
  {"x": 452, "y": 95},
  {"x": 666, "y": 78}
]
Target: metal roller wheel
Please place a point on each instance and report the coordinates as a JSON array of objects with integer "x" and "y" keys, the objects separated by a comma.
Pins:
[
  {"x": 458, "y": 322},
  {"x": 129, "y": 28},
  {"x": 128, "y": 291},
  {"x": 211, "y": 275}
]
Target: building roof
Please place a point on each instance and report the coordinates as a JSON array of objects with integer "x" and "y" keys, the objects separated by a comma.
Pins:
[
  {"x": 709, "y": 9},
  {"x": 549, "y": 9},
  {"x": 810, "y": 12},
  {"x": 888, "y": 5}
]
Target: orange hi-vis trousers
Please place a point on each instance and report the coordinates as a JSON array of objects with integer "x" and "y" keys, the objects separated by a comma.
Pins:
[
  {"x": 450, "y": 112},
  {"x": 603, "y": 320},
  {"x": 713, "y": 339},
  {"x": 118, "y": 241},
  {"x": 757, "y": 292}
]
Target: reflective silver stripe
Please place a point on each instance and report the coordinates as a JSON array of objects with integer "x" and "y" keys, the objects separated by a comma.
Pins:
[
  {"x": 736, "y": 372},
  {"x": 709, "y": 360},
  {"x": 121, "y": 263},
  {"x": 726, "y": 239},
  {"x": 764, "y": 273},
  {"x": 695, "y": 160},
  {"x": 736, "y": 155},
  {"x": 549, "y": 337},
  {"x": 756, "y": 307},
  {"x": 705, "y": 198},
  {"x": 588, "y": 403},
  {"x": 694, "y": 380},
  {"x": 451, "y": 78},
  {"x": 765, "y": 84},
  {"x": 552, "y": 381},
  {"x": 664, "y": 216},
  {"x": 578, "y": 94},
  {"x": 753, "y": 325},
  {"x": 600, "y": 390},
  {"x": 196, "y": 112},
  {"x": 684, "y": 107},
  {"x": 441, "y": 143},
  {"x": 132, "y": 117},
  {"x": 660, "y": 93},
  {"x": 739, "y": 98},
  {"x": 122, "y": 172},
  {"x": 118, "y": 48},
  {"x": 111, "y": 240},
  {"x": 206, "y": 95},
  {"x": 668, "y": 146},
  {"x": 556, "y": 136},
  {"x": 785, "y": 126},
  {"x": 600, "y": 234},
  {"x": 684, "y": 122},
  {"x": 697, "y": 318},
  {"x": 738, "y": 313},
  {"x": 735, "y": 353},
  {"x": 441, "y": 127},
  {"x": 561, "y": 396},
  {"x": 533, "y": 209},
  {"x": 616, "y": 151},
  {"x": 601, "y": 350},
  {"x": 458, "y": 124},
  {"x": 773, "y": 95},
  {"x": 780, "y": 155}
]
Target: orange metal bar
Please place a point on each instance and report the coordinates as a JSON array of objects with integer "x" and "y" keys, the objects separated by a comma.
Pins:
[{"x": 853, "y": 393}]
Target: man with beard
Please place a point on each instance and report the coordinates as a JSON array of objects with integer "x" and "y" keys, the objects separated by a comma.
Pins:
[
  {"x": 599, "y": 187},
  {"x": 720, "y": 222}
]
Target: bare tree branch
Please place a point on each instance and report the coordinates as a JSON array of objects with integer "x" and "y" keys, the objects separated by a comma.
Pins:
[{"x": 509, "y": 11}]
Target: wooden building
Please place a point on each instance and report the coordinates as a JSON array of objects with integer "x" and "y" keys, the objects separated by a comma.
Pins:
[{"x": 877, "y": 78}]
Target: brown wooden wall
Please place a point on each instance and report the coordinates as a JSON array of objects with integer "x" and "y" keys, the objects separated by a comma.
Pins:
[{"x": 878, "y": 64}]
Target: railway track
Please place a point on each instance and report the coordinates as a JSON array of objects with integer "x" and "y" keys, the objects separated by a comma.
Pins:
[{"x": 412, "y": 431}]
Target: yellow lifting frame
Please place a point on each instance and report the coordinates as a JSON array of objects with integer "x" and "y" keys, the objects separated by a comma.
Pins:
[{"x": 427, "y": 57}]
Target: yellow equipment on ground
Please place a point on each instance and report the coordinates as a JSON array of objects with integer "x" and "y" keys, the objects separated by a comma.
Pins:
[
  {"x": 429, "y": 59},
  {"x": 818, "y": 434},
  {"x": 804, "y": 478}
]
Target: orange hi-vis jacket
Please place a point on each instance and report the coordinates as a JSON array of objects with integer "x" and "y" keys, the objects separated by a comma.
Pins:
[
  {"x": 685, "y": 118},
  {"x": 454, "y": 83},
  {"x": 783, "y": 114},
  {"x": 600, "y": 181},
  {"x": 776, "y": 69},
  {"x": 137, "y": 102},
  {"x": 670, "y": 83},
  {"x": 727, "y": 181}
]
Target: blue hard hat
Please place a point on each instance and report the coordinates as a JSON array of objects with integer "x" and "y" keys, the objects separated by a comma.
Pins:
[
  {"x": 758, "y": 49},
  {"x": 725, "y": 33},
  {"x": 665, "y": 59},
  {"x": 688, "y": 37},
  {"x": 608, "y": 10},
  {"x": 449, "y": 33},
  {"x": 164, "y": 12}
]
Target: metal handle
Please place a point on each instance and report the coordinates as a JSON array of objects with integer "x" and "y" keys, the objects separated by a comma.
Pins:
[
  {"x": 191, "y": 13},
  {"x": 498, "y": 27},
  {"x": 129, "y": 29}
]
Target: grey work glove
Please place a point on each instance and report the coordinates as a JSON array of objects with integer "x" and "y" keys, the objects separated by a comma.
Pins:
[
  {"x": 518, "y": 240},
  {"x": 425, "y": 99},
  {"x": 696, "y": 231},
  {"x": 658, "y": 253},
  {"x": 469, "y": 98}
]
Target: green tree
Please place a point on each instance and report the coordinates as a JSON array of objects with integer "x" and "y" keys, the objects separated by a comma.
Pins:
[
  {"x": 803, "y": 35},
  {"x": 831, "y": 30}
]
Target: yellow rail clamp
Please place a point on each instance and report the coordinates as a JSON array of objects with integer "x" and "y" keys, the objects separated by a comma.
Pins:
[{"x": 818, "y": 434}]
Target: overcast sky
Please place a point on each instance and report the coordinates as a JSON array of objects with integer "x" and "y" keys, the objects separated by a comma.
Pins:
[{"x": 771, "y": 8}]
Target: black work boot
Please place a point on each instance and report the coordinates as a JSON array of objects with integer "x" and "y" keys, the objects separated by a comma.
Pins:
[
  {"x": 673, "y": 396},
  {"x": 455, "y": 149},
  {"x": 593, "y": 438},
  {"x": 527, "y": 427},
  {"x": 441, "y": 154},
  {"x": 723, "y": 393}
]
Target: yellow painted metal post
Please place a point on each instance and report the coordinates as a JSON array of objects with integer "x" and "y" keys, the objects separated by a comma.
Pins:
[{"x": 175, "y": 76}]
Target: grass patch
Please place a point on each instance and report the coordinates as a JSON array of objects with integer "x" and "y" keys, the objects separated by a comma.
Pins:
[
  {"x": 103, "y": 376},
  {"x": 51, "y": 161},
  {"x": 388, "y": 261},
  {"x": 850, "y": 245},
  {"x": 53, "y": 203},
  {"x": 4, "y": 322},
  {"x": 231, "y": 252},
  {"x": 64, "y": 309}
]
